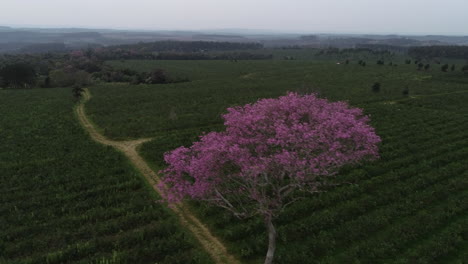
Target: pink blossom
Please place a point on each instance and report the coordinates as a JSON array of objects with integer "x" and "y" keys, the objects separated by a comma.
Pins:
[{"x": 286, "y": 143}]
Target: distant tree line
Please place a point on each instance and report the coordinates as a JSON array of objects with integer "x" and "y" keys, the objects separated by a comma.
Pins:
[
  {"x": 32, "y": 48},
  {"x": 453, "y": 52},
  {"x": 44, "y": 48},
  {"x": 190, "y": 46},
  {"x": 80, "y": 67},
  {"x": 181, "y": 50},
  {"x": 311, "y": 38},
  {"x": 156, "y": 76},
  {"x": 45, "y": 70},
  {"x": 73, "y": 69},
  {"x": 205, "y": 56},
  {"x": 382, "y": 48},
  {"x": 332, "y": 50},
  {"x": 17, "y": 75}
]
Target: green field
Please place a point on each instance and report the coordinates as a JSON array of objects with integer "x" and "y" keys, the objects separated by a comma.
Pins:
[
  {"x": 126, "y": 111},
  {"x": 66, "y": 199},
  {"x": 69, "y": 200},
  {"x": 408, "y": 207}
]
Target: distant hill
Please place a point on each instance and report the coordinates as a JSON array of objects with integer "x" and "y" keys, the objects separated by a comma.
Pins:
[{"x": 14, "y": 40}]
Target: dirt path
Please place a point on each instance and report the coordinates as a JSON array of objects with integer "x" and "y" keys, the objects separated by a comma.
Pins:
[{"x": 209, "y": 242}]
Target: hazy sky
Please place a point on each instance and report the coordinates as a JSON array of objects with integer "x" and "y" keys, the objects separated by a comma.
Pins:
[{"x": 335, "y": 16}]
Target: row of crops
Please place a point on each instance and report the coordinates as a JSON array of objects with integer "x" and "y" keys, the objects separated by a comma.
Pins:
[
  {"x": 66, "y": 199},
  {"x": 134, "y": 111},
  {"x": 408, "y": 207}
]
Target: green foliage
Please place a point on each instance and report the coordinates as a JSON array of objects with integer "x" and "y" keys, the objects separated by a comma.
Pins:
[
  {"x": 409, "y": 207},
  {"x": 66, "y": 199},
  {"x": 377, "y": 216},
  {"x": 465, "y": 69},
  {"x": 144, "y": 110},
  {"x": 17, "y": 75},
  {"x": 157, "y": 76},
  {"x": 421, "y": 178},
  {"x": 77, "y": 92},
  {"x": 444, "y": 68},
  {"x": 376, "y": 87},
  {"x": 154, "y": 76},
  {"x": 60, "y": 78},
  {"x": 180, "y": 50},
  {"x": 405, "y": 91},
  {"x": 457, "y": 52},
  {"x": 420, "y": 65},
  {"x": 64, "y": 78}
]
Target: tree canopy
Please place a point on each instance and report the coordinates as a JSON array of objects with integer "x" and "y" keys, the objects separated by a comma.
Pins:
[
  {"x": 18, "y": 75},
  {"x": 270, "y": 152}
]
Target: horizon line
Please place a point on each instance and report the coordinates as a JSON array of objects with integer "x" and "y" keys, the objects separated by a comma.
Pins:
[{"x": 253, "y": 31}]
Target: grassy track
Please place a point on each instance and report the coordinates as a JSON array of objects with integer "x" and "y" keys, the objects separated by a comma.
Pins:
[
  {"x": 129, "y": 148},
  {"x": 66, "y": 199}
]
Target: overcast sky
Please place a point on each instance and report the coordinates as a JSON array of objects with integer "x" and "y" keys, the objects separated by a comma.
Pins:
[{"x": 334, "y": 16}]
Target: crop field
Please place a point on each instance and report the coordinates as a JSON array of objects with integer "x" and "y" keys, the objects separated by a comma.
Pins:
[
  {"x": 66, "y": 199},
  {"x": 408, "y": 207},
  {"x": 133, "y": 111}
]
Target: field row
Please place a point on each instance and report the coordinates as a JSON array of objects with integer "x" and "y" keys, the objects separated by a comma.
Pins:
[
  {"x": 65, "y": 199},
  {"x": 422, "y": 173}
]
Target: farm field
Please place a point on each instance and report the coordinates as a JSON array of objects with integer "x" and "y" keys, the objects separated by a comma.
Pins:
[
  {"x": 231, "y": 132},
  {"x": 216, "y": 85},
  {"x": 67, "y": 199},
  {"x": 408, "y": 207}
]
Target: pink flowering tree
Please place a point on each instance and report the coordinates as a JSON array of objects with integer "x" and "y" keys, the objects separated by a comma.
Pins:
[{"x": 271, "y": 153}]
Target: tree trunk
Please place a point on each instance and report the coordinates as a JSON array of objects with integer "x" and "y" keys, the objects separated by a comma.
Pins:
[{"x": 271, "y": 240}]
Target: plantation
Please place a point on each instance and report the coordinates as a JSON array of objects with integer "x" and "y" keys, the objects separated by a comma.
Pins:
[
  {"x": 408, "y": 207},
  {"x": 66, "y": 199},
  {"x": 234, "y": 132},
  {"x": 145, "y": 110}
]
